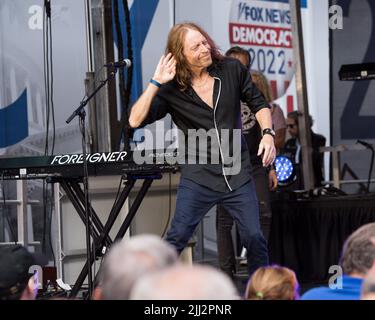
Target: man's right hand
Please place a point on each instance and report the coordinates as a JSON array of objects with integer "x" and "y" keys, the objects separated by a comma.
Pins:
[{"x": 166, "y": 69}]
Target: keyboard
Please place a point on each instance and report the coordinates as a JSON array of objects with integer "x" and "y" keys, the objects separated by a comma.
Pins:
[{"x": 143, "y": 162}]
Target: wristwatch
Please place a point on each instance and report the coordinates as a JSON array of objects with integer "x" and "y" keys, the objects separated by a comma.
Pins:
[{"x": 268, "y": 131}]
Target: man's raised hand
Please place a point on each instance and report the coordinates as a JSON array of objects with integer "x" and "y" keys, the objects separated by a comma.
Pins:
[{"x": 166, "y": 69}]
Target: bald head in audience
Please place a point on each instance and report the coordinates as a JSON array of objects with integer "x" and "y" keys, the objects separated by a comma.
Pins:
[
  {"x": 183, "y": 282},
  {"x": 130, "y": 259}
]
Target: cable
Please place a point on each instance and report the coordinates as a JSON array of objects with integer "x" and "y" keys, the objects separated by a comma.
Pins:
[
  {"x": 370, "y": 171},
  {"x": 114, "y": 203},
  {"x": 44, "y": 217},
  {"x": 371, "y": 148},
  {"x": 47, "y": 218},
  {"x": 125, "y": 93},
  {"x": 130, "y": 51},
  {"x": 89, "y": 35},
  {"x": 129, "y": 75},
  {"x": 51, "y": 95},
  {"x": 120, "y": 47},
  {"x": 5, "y": 210},
  {"x": 169, "y": 206},
  {"x": 47, "y": 116},
  {"x": 50, "y": 230},
  {"x": 48, "y": 76},
  {"x": 88, "y": 220},
  {"x": 118, "y": 191},
  {"x": 50, "y": 115},
  {"x": 46, "y": 80}
]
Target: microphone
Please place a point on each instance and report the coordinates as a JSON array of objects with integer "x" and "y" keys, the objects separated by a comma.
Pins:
[
  {"x": 126, "y": 63},
  {"x": 47, "y": 5},
  {"x": 366, "y": 144}
]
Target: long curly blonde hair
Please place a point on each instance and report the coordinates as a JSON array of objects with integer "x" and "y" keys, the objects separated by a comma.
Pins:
[{"x": 175, "y": 45}]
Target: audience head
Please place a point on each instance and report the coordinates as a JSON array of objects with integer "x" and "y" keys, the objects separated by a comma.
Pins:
[
  {"x": 17, "y": 279},
  {"x": 240, "y": 54},
  {"x": 130, "y": 259},
  {"x": 97, "y": 293},
  {"x": 258, "y": 77},
  {"x": 292, "y": 122},
  {"x": 368, "y": 288},
  {"x": 272, "y": 283},
  {"x": 184, "y": 282},
  {"x": 358, "y": 254}
]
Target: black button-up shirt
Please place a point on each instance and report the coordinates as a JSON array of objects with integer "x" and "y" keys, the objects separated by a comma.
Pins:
[{"x": 188, "y": 111}]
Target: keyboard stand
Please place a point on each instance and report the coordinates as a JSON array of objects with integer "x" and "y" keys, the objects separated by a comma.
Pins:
[{"x": 98, "y": 232}]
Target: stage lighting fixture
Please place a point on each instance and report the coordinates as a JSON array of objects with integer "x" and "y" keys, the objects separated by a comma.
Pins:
[{"x": 284, "y": 170}]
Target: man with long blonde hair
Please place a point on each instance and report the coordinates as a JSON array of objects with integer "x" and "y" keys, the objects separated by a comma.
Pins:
[{"x": 202, "y": 90}]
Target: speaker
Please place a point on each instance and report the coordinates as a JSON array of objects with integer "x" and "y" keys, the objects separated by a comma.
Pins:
[{"x": 361, "y": 71}]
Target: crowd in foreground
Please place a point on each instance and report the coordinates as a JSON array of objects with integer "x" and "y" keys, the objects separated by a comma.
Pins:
[{"x": 145, "y": 267}]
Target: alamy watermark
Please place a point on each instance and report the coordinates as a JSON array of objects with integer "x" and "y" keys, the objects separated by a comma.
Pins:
[
  {"x": 196, "y": 146},
  {"x": 37, "y": 273},
  {"x": 335, "y": 17},
  {"x": 335, "y": 281}
]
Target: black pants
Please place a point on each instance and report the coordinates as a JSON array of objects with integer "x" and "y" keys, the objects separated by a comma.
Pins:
[
  {"x": 194, "y": 201},
  {"x": 224, "y": 222}
]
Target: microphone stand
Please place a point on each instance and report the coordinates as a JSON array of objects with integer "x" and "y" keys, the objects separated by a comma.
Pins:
[
  {"x": 371, "y": 166},
  {"x": 80, "y": 111}
]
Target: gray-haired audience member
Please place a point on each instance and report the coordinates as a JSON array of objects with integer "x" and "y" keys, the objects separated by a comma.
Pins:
[
  {"x": 183, "y": 282},
  {"x": 130, "y": 259},
  {"x": 368, "y": 285},
  {"x": 357, "y": 259}
]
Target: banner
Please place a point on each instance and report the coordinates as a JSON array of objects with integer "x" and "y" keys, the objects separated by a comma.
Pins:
[{"x": 264, "y": 29}]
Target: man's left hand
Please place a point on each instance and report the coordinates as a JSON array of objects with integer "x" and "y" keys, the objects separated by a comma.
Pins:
[
  {"x": 272, "y": 180},
  {"x": 267, "y": 148}
]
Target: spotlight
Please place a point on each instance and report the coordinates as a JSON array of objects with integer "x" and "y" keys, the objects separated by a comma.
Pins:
[{"x": 284, "y": 170}]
